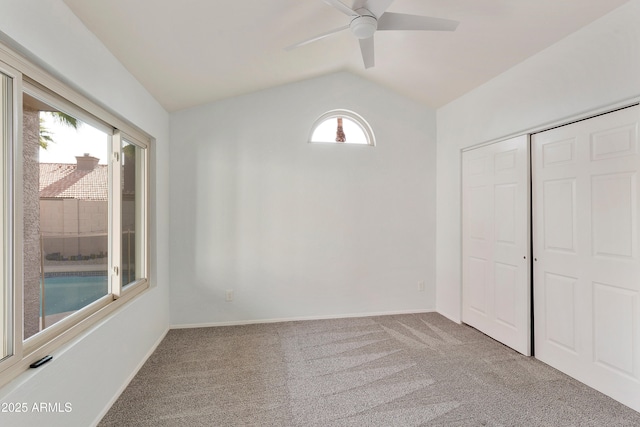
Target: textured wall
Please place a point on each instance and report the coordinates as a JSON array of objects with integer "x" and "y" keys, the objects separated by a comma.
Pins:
[{"x": 31, "y": 259}]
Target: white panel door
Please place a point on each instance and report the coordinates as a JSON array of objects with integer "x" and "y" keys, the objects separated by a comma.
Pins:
[
  {"x": 496, "y": 283},
  {"x": 587, "y": 259}
]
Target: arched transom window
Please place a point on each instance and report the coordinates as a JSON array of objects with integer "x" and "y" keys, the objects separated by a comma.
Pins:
[{"x": 341, "y": 127}]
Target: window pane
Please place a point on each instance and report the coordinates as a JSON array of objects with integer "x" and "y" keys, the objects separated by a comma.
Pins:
[
  {"x": 131, "y": 214},
  {"x": 341, "y": 130},
  {"x": 6, "y": 332},
  {"x": 66, "y": 214}
]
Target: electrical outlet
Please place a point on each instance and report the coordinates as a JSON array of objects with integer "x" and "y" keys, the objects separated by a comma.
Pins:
[
  {"x": 421, "y": 286},
  {"x": 229, "y": 295}
]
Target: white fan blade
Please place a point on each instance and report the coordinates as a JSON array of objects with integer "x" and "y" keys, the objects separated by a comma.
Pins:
[
  {"x": 368, "y": 54},
  {"x": 377, "y": 7},
  {"x": 316, "y": 38},
  {"x": 401, "y": 21},
  {"x": 342, "y": 7}
]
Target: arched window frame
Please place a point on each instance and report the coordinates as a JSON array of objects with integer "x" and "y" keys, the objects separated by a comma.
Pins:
[{"x": 351, "y": 115}]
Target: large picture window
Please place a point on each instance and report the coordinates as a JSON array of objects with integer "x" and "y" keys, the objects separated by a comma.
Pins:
[{"x": 74, "y": 213}]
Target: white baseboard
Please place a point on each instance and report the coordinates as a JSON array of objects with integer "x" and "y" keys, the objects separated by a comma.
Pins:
[
  {"x": 296, "y": 319},
  {"x": 126, "y": 383}
]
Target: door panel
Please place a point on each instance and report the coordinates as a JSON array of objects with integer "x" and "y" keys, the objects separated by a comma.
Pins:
[
  {"x": 506, "y": 285},
  {"x": 587, "y": 268},
  {"x": 560, "y": 310},
  {"x": 612, "y": 227},
  {"x": 496, "y": 275}
]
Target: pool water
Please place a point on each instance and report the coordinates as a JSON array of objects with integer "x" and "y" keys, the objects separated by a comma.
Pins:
[{"x": 71, "y": 293}]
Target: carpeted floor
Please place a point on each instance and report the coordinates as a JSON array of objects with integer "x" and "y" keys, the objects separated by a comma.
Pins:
[{"x": 404, "y": 370}]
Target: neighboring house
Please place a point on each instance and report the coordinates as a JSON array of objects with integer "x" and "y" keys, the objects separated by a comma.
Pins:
[{"x": 74, "y": 208}]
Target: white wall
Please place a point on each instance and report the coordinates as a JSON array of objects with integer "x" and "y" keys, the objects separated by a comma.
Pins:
[
  {"x": 83, "y": 372},
  {"x": 597, "y": 66},
  {"x": 298, "y": 230}
]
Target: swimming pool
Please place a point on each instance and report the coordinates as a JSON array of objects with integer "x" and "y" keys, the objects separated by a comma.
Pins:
[{"x": 71, "y": 293}]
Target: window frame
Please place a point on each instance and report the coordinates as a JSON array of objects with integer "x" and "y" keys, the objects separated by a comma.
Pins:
[
  {"x": 122, "y": 288},
  {"x": 31, "y": 79},
  {"x": 348, "y": 114},
  {"x": 10, "y": 268}
]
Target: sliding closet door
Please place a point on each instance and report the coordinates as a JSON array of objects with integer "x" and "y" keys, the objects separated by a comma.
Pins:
[
  {"x": 586, "y": 237},
  {"x": 496, "y": 288}
]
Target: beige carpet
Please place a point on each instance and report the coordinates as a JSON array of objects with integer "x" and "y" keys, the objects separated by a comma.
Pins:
[{"x": 404, "y": 370}]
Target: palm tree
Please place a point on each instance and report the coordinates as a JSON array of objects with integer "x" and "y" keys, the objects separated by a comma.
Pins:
[{"x": 58, "y": 117}]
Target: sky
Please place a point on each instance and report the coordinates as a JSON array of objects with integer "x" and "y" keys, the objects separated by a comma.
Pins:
[{"x": 69, "y": 142}]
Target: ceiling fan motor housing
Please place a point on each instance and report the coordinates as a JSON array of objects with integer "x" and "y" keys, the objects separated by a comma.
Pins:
[{"x": 364, "y": 26}]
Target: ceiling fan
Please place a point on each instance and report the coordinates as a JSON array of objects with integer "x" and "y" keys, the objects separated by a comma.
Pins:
[{"x": 369, "y": 16}]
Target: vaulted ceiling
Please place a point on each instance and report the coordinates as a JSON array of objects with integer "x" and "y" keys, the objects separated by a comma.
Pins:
[{"x": 191, "y": 52}]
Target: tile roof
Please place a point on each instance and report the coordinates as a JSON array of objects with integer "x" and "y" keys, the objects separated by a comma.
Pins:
[{"x": 64, "y": 181}]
